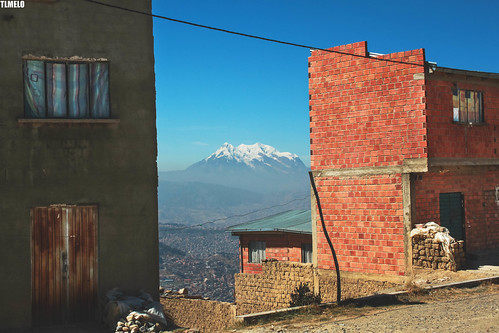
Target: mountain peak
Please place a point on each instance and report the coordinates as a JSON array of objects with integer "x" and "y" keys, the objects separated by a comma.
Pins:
[{"x": 249, "y": 154}]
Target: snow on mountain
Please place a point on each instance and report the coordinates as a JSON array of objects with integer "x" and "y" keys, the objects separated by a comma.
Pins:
[
  {"x": 249, "y": 154},
  {"x": 257, "y": 167}
]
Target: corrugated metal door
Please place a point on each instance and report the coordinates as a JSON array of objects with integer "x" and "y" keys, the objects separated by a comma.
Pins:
[
  {"x": 64, "y": 263},
  {"x": 452, "y": 213}
]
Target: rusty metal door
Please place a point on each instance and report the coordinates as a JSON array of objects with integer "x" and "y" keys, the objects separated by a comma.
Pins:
[{"x": 63, "y": 263}]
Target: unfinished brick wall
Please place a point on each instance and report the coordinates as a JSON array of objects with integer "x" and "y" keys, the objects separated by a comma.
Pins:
[
  {"x": 481, "y": 212},
  {"x": 364, "y": 218},
  {"x": 449, "y": 139},
  {"x": 282, "y": 247},
  {"x": 204, "y": 315},
  {"x": 365, "y": 113},
  {"x": 272, "y": 289}
]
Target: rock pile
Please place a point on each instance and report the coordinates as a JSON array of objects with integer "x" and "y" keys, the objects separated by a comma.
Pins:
[
  {"x": 433, "y": 247},
  {"x": 138, "y": 322}
]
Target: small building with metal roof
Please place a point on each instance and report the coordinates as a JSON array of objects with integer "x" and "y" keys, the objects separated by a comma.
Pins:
[{"x": 284, "y": 236}]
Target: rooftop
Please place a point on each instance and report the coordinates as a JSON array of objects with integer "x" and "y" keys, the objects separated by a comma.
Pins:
[{"x": 292, "y": 221}]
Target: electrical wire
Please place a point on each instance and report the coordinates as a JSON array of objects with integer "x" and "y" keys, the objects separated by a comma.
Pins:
[
  {"x": 238, "y": 215},
  {"x": 249, "y": 35}
]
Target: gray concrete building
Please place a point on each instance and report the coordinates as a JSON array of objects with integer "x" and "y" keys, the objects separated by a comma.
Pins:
[{"x": 78, "y": 174}]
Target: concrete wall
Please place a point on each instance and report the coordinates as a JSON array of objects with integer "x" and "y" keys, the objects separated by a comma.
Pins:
[
  {"x": 110, "y": 165},
  {"x": 282, "y": 247}
]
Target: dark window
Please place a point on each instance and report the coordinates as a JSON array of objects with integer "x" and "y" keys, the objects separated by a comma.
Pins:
[
  {"x": 256, "y": 252},
  {"x": 467, "y": 106},
  {"x": 63, "y": 89},
  {"x": 306, "y": 253}
]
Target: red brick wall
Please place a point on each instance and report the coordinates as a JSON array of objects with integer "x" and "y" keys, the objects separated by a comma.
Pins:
[
  {"x": 480, "y": 209},
  {"x": 364, "y": 111},
  {"x": 449, "y": 139},
  {"x": 282, "y": 247},
  {"x": 364, "y": 219}
]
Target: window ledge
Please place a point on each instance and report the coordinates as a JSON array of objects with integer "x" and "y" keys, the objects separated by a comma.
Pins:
[
  {"x": 51, "y": 121},
  {"x": 469, "y": 124}
]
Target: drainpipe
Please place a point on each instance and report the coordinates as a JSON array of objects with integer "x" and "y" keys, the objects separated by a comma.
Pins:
[{"x": 338, "y": 280}]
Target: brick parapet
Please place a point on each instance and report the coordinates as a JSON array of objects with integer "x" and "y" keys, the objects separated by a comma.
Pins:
[{"x": 365, "y": 111}]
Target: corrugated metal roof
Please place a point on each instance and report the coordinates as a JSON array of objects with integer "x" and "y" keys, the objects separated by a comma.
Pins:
[{"x": 294, "y": 221}]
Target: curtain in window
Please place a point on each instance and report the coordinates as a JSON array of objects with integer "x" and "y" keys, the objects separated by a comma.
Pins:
[
  {"x": 56, "y": 90},
  {"x": 256, "y": 251},
  {"x": 34, "y": 89},
  {"x": 99, "y": 83},
  {"x": 78, "y": 90}
]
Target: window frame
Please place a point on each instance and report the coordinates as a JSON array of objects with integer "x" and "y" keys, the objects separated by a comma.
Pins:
[
  {"x": 306, "y": 253},
  {"x": 464, "y": 110},
  {"x": 256, "y": 252},
  {"x": 67, "y": 117}
]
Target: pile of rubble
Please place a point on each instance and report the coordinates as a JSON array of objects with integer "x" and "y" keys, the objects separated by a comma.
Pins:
[
  {"x": 137, "y": 322},
  {"x": 433, "y": 247},
  {"x": 133, "y": 312}
]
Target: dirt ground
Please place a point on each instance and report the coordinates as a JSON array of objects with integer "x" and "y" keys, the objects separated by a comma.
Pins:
[{"x": 441, "y": 310}]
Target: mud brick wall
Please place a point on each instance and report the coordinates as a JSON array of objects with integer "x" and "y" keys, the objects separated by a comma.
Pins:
[
  {"x": 481, "y": 212},
  {"x": 204, "y": 315},
  {"x": 272, "y": 288},
  {"x": 352, "y": 285},
  {"x": 429, "y": 253}
]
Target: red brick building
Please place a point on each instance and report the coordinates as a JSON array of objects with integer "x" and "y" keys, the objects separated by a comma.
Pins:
[
  {"x": 285, "y": 236},
  {"x": 396, "y": 141}
]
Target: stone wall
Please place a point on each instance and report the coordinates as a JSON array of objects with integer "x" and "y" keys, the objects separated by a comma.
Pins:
[
  {"x": 272, "y": 289},
  {"x": 204, "y": 315}
]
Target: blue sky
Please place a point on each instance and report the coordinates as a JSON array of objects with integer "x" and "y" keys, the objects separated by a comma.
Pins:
[{"x": 212, "y": 87}]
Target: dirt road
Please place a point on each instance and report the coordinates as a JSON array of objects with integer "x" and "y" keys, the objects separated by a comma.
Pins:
[{"x": 454, "y": 310}]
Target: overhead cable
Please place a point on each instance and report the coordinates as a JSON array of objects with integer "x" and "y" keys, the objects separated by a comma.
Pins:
[{"x": 250, "y": 36}]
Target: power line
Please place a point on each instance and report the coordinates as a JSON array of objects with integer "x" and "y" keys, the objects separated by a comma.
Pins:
[
  {"x": 238, "y": 215},
  {"x": 248, "y": 35}
]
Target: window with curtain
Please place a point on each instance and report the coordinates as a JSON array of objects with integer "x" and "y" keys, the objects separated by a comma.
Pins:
[
  {"x": 65, "y": 89},
  {"x": 306, "y": 252},
  {"x": 256, "y": 252}
]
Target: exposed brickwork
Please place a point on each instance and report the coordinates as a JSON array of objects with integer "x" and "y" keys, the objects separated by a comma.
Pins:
[
  {"x": 364, "y": 218},
  {"x": 449, "y": 139},
  {"x": 480, "y": 209},
  {"x": 364, "y": 111},
  {"x": 282, "y": 247}
]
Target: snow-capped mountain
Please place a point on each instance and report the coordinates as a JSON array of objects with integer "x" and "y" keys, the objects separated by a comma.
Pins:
[{"x": 257, "y": 167}]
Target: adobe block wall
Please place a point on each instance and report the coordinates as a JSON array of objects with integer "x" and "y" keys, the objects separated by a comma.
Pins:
[
  {"x": 364, "y": 111},
  {"x": 449, "y": 139},
  {"x": 480, "y": 208},
  {"x": 364, "y": 219},
  {"x": 204, "y": 315},
  {"x": 272, "y": 289},
  {"x": 282, "y": 247}
]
